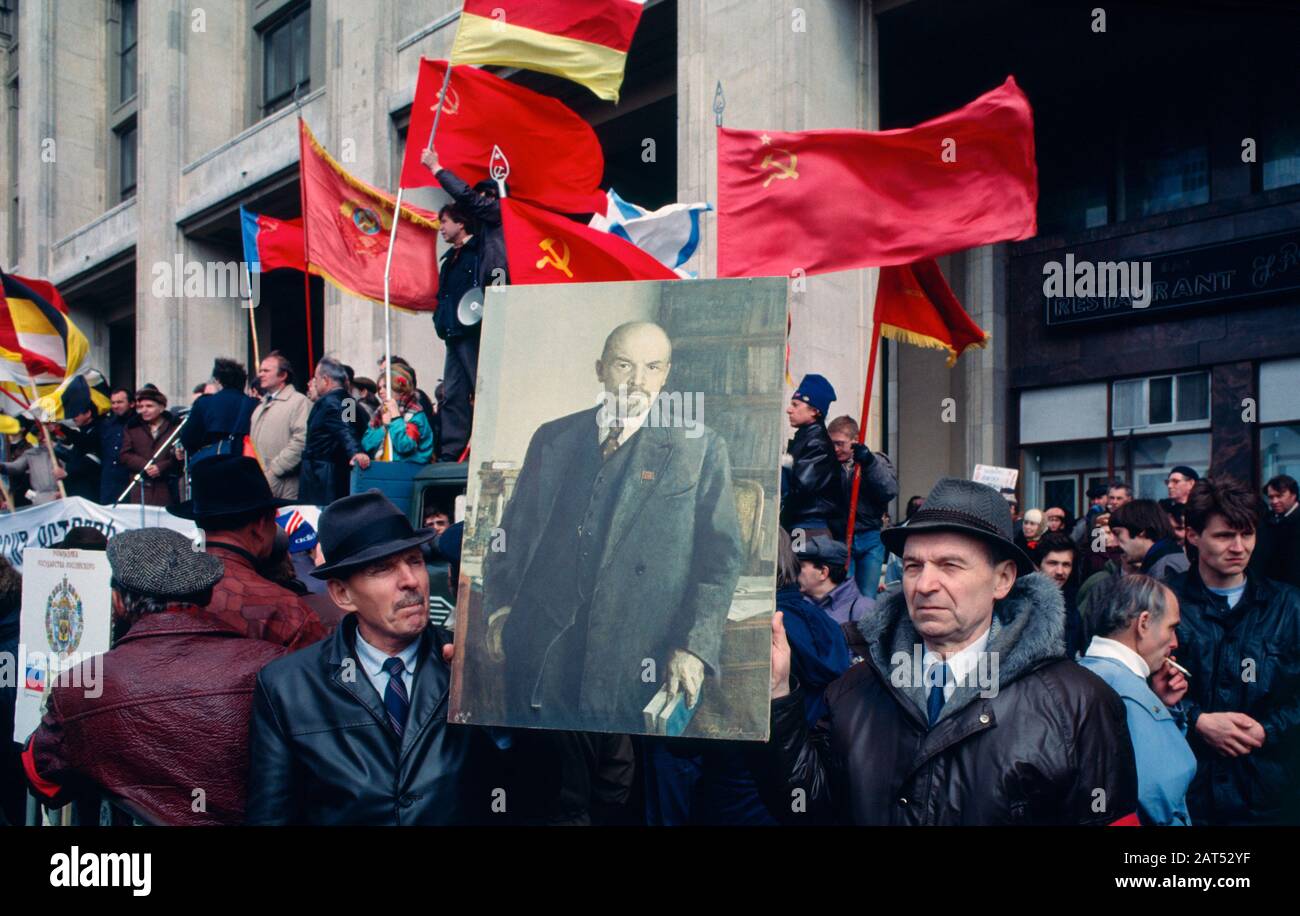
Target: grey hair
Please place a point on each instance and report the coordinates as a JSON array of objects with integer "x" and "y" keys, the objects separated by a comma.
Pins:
[
  {"x": 1124, "y": 599},
  {"x": 333, "y": 370},
  {"x": 787, "y": 564},
  {"x": 138, "y": 604}
]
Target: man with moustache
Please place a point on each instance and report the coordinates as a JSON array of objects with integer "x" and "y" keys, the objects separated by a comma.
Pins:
[
  {"x": 623, "y": 551},
  {"x": 353, "y": 730}
]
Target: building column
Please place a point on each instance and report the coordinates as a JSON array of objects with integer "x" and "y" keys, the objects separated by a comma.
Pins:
[
  {"x": 1232, "y": 443},
  {"x": 826, "y": 79}
]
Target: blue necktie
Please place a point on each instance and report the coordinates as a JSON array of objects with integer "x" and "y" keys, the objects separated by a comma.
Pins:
[
  {"x": 396, "y": 702},
  {"x": 934, "y": 704}
]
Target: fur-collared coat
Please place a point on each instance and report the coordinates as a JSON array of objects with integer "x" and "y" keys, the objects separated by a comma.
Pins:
[{"x": 1041, "y": 741}]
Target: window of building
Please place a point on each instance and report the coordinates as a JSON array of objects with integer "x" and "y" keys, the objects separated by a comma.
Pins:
[
  {"x": 1279, "y": 451},
  {"x": 127, "y": 63},
  {"x": 1168, "y": 178},
  {"x": 286, "y": 58},
  {"x": 9, "y": 20},
  {"x": 1281, "y": 156},
  {"x": 1161, "y": 401},
  {"x": 126, "y": 161}
]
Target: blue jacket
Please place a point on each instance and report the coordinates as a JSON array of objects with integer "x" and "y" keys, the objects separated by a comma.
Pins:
[
  {"x": 405, "y": 448},
  {"x": 114, "y": 476},
  {"x": 216, "y": 417},
  {"x": 1165, "y": 762},
  {"x": 819, "y": 653}
]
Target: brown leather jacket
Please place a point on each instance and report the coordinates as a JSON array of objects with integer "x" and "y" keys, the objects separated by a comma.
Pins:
[
  {"x": 138, "y": 446},
  {"x": 252, "y": 604},
  {"x": 171, "y": 718}
]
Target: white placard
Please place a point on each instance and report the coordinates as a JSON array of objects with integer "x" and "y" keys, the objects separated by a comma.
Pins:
[
  {"x": 66, "y": 619},
  {"x": 998, "y": 478}
]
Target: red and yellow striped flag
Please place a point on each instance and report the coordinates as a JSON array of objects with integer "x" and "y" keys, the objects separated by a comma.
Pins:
[{"x": 581, "y": 40}]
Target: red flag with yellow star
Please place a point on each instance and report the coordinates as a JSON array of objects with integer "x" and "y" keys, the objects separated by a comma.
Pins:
[{"x": 824, "y": 200}]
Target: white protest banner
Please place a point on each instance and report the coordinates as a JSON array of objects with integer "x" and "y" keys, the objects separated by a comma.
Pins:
[
  {"x": 46, "y": 525},
  {"x": 1000, "y": 479},
  {"x": 66, "y": 620}
]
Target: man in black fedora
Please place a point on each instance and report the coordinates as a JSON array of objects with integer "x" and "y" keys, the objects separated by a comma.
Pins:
[
  {"x": 966, "y": 710},
  {"x": 232, "y": 503},
  {"x": 353, "y": 730}
]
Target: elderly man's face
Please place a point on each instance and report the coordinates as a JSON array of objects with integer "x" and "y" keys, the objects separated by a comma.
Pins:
[
  {"x": 634, "y": 366},
  {"x": 1180, "y": 486},
  {"x": 950, "y": 587},
  {"x": 1157, "y": 637},
  {"x": 390, "y": 598},
  {"x": 148, "y": 410}
]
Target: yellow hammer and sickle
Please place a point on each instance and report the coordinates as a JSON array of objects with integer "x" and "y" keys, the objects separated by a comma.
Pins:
[
  {"x": 554, "y": 258},
  {"x": 783, "y": 170},
  {"x": 451, "y": 104}
]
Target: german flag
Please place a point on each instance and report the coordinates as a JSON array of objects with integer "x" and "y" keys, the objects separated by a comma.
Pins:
[
  {"x": 581, "y": 40},
  {"x": 39, "y": 344}
]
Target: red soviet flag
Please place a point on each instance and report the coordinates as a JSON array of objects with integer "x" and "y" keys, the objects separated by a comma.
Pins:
[
  {"x": 544, "y": 247},
  {"x": 346, "y": 227},
  {"x": 824, "y": 200},
  {"x": 554, "y": 157}
]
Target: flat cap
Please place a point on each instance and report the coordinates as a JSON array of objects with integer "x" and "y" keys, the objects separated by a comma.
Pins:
[
  {"x": 161, "y": 563},
  {"x": 825, "y": 550}
]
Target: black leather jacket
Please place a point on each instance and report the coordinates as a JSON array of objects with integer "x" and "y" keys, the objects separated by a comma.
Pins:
[
  {"x": 322, "y": 751},
  {"x": 331, "y": 443},
  {"x": 816, "y": 481},
  {"x": 1051, "y": 746},
  {"x": 1260, "y": 636}
]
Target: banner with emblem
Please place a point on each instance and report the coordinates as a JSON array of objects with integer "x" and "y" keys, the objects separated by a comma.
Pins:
[
  {"x": 346, "y": 230},
  {"x": 66, "y": 621}
]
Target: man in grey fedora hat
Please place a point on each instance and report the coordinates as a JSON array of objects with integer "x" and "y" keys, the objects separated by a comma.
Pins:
[
  {"x": 966, "y": 710},
  {"x": 353, "y": 730}
]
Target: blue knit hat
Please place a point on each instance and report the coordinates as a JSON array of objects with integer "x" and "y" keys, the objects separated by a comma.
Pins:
[{"x": 816, "y": 392}]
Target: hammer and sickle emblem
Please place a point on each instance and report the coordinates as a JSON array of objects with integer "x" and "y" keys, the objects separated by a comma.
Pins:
[
  {"x": 553, "y": 257},
  {"x": 784, "y": 170},
  {"x": 450, "y": 103}
]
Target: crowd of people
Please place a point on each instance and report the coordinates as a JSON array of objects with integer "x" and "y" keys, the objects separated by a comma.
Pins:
[{"x": 970, "y": 665}]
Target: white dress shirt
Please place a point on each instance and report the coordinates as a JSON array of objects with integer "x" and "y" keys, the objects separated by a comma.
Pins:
[
  {"x": 961, "y": 666},
  {"x": 372, "y": 663},
  {"x": 629, "y": 426},
  {"x": 1101, "y": 647}
]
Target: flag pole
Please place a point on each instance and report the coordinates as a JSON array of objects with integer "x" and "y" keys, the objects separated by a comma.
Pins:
[
  {"x": 252, "y": 325},
  {"x": 388, "y": 261},
  {"x": 862, "y": 435},
  {"x": 306, "y": 250}
]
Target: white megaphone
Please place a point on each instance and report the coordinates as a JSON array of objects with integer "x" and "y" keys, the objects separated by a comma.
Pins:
[{"x": 470, "y": 310}]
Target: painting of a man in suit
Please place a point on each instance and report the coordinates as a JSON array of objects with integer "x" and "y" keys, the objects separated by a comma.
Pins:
[{"x": 622, "y": 552}]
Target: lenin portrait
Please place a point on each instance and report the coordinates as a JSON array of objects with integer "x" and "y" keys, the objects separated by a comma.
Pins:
[{"x": 615, "y": 574}]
